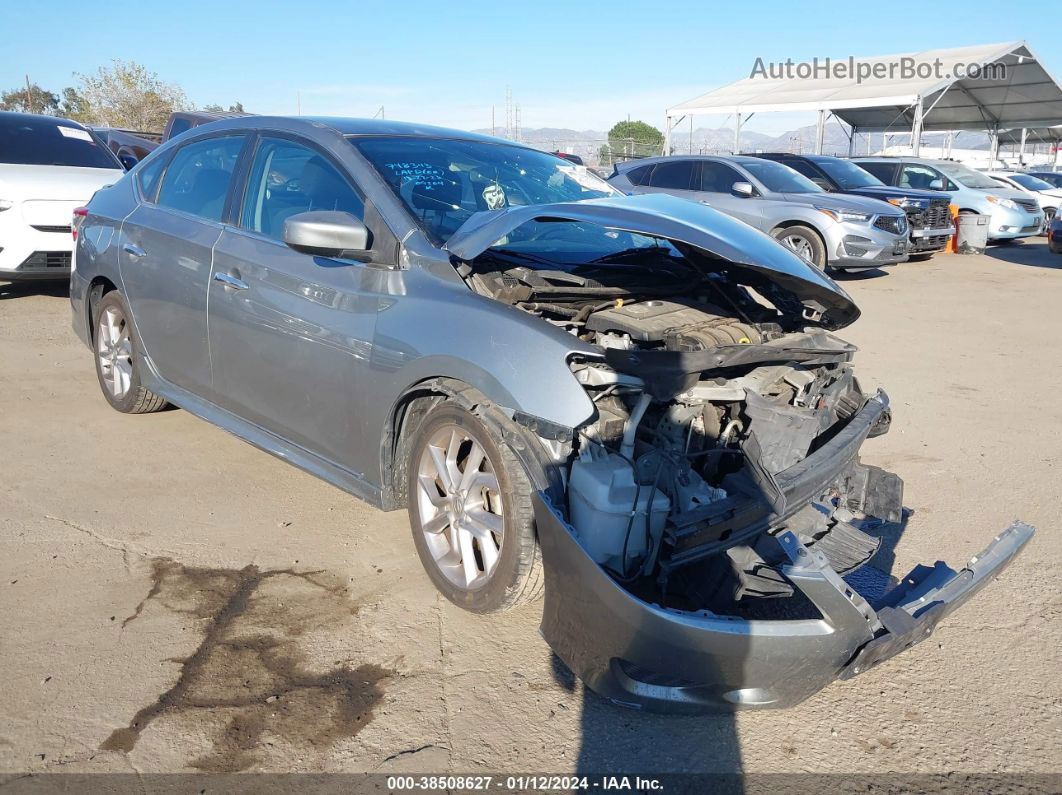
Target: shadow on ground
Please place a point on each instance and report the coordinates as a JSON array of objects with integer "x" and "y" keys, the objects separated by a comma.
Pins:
[
  {"x": 1031, "y": 252},
  {"x": 858, "y": 276},
  {"x": 59, "y": 288}
]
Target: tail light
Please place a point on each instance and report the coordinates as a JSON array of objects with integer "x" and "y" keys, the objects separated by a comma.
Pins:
[{"x": 79, "y": 215}]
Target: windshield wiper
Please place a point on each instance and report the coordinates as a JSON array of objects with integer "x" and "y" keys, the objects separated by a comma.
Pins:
[
  {"x": 508, "y": 252},
  {"x": 632, "y": 253}
]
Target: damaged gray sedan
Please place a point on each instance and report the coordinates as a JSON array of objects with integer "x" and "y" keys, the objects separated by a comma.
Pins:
[{"x": 635, "y": 405}]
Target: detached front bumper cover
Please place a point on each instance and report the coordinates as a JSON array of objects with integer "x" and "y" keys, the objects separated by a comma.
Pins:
[{"x": 644, "y": 656}]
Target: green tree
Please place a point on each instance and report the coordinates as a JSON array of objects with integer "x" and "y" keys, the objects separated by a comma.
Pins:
[
  {"x": 236, "y": 107},
  {"x": 127, "y": 95},
  {"x": 33, "y": 99},
  {"x": 635, "y": 139},
  {"x": 74, "y": 106}
]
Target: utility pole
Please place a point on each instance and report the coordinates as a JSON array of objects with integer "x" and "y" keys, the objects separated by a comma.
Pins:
[{"x": 508, "y": 112}]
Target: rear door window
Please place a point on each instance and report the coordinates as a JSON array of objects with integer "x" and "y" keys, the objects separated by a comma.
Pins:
[
  {"x": 677, "y": 175},
  {"x": 883, "y": 171},
  {"x": 198, "y": 178},
  {"x": 640, "y": 175},
  {"x": 148, "y": 177}
]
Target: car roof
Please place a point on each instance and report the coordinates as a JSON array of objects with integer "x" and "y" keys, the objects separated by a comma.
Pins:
[
  {"x": 741, "y": 159},
  {"x": 350, "y": 127},
  {"x": 7, "y": 115}
]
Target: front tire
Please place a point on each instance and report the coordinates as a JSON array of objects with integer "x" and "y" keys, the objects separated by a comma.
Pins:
[
  {"x": 804, "y": 241},
  {"x": 118, "y": 360},
  {"x": 470, "y": 511}
]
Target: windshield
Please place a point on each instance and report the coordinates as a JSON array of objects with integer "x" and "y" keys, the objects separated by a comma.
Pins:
[
  {"x": 443, "y": 182},
  {"x": 1032, "y": 183},
  {"x": 967, "y": 177},
  {"x": 780, "y": 179},
  {"x": 42, "y": 141},
  {"x": 847, "y": 174}
]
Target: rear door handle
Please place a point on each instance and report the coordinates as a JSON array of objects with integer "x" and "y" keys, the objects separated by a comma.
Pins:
[
  {"x": 133, "y": 251},
  {"x": 230, "y": 281}
]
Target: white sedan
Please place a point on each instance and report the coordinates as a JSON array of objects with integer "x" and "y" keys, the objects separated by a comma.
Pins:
[
  {"x": 1047, "y": 194},
  {"x": 48, "y": 166}
]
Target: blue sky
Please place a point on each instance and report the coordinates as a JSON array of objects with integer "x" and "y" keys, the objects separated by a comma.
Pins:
[{"x": 570, "y": 64}]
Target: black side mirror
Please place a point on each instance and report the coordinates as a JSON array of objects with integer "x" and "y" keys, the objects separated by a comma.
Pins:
[{"x": 327, "y": 233}]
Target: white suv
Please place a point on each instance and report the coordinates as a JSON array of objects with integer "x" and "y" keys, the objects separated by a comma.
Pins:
[{"x": 48, "y": 166}]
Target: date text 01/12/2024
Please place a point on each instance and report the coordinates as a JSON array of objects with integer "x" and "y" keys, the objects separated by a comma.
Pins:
[{"x": 522, "y": 783}]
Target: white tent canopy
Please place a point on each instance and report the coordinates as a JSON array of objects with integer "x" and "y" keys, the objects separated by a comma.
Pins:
[
  {"x": 1032, "y": 135},
  {"x": 1025, "y": 95}
]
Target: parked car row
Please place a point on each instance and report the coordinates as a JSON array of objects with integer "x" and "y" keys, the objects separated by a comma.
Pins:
[
  {"x": 798, "y": 200},
  {"x": 828, "y": 230},
  {"x": 1014, "y": 213}
]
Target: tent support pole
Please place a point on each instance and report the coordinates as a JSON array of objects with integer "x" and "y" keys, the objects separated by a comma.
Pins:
[
  {"x": 1021, "y": 151},
  {"x": 737, "y": 134},
  {"x": 993, "y": 146},
  {"x": 820, "y": 131},
  {"x": 916, "y": 129},
  {"x": 667, "y": 134},
  {"x": 852, "y": 140}
]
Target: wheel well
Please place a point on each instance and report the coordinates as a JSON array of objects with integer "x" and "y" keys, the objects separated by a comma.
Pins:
[
  {"x": 98, "y": 288},
  {"x": 805, "y": 224},
  {"x": 415, "y": 403}
]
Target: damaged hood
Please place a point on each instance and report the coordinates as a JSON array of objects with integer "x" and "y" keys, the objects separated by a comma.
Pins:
[{"x": 684, "y": 223}]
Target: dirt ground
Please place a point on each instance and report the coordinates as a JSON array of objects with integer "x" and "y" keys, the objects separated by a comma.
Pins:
[{"x": 172, "y": 599}]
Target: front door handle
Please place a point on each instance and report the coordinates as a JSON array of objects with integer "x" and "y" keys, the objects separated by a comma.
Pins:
[
  {"x": 230, "y": 281},
  {"x": 134, "y": 251}
]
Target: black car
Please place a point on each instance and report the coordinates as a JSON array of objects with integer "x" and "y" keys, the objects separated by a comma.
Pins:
[
  {"x": 1054, "y": 235},
  {"x": 928, "y": 214}
]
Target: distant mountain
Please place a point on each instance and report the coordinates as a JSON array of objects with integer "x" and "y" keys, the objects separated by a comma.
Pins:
[{"x": 720, "y": 140}]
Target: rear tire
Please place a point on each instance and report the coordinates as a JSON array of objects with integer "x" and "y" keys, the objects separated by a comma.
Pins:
[
  {"x": 804, "y": 241},
  {"x": 470, "y": 511},
  {"x": 117, "y": 355}
]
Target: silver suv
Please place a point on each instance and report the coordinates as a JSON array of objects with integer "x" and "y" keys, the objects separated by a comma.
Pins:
[
  {"x": 828, "y": 230},
  {"x": 1015, "y": 214}
]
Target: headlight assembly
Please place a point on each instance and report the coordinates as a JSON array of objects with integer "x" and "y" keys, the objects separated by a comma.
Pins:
[{"x": 842, "y": 216}]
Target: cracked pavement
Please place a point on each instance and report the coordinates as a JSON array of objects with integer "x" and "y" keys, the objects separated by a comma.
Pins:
[{"x": 172, "y": 599}]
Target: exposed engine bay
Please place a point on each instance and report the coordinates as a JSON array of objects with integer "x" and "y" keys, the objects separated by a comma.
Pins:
[{"x": 712, "y": 398}]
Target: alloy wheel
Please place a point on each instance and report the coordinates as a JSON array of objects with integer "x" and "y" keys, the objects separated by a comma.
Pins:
[
  {"x": 114, "y": 348},
  {"x": 459, "y": 507},
  {"x": 801, "y": 246}
]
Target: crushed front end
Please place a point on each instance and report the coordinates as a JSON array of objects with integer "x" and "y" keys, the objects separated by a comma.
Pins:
[{"x": 710, "y": 510}]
